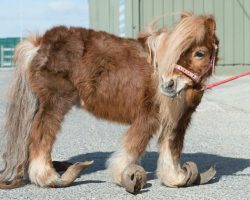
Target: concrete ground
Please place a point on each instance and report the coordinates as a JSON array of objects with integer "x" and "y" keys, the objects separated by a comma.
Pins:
[{"x": 219, "y": 134}]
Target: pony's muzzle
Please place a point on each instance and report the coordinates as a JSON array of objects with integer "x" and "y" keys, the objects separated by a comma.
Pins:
[
  {"x": 168, "y": 87},
  {"x": 172, "y": 86}
]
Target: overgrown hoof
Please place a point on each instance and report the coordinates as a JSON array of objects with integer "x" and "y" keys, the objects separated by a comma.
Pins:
[
  {"x": 193, "y": 177},
  {"x": 61, "y": 166},
  {"x": 134, "y": 178},
  {"x": 71, "y": 173},
  {"x": 192, "y": 173}
]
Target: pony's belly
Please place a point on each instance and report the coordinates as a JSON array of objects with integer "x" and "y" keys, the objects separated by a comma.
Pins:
[{"x": 111, "y": 112}]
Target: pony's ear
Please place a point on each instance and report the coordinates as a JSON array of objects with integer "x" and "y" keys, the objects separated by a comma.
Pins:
[
  {"x": 185, "y": 14},
  {"x": 210, "y": 24}
]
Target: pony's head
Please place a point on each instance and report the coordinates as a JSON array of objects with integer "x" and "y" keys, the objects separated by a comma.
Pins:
[{"x": 184, "y": 57}]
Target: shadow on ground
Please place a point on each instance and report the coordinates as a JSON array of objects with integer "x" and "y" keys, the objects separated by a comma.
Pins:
[{"x": 225, "y": 166}]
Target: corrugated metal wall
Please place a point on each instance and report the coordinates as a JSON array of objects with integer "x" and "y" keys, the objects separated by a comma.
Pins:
[
  {"x": 232, "y": 16},
  {"x": 104, "y": 15}
]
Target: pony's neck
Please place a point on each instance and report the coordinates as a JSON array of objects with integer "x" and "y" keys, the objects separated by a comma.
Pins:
[{"x": 142, "y": 39}]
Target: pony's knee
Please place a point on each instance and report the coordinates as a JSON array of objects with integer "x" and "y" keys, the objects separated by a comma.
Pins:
[{"x": 41, "y": 173}]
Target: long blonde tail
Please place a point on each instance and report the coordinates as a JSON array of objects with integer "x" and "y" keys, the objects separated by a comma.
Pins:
[{"x": 22, "y": 106}]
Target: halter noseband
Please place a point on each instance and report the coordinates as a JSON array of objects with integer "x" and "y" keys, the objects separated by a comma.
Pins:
[{"x": 195, "y": 77}]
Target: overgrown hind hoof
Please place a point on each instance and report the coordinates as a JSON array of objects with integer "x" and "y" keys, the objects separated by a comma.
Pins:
[
  {"x": 134, "y": 178},
  {"x": 61, "y": 166},
  {"x": 71, "y": 173}
]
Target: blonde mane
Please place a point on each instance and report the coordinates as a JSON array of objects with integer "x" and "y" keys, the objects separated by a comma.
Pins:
[{"x": 166, "y": 47}]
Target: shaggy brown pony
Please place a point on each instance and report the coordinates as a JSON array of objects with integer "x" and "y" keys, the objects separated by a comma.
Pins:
[{"x": 132, "y": 81}]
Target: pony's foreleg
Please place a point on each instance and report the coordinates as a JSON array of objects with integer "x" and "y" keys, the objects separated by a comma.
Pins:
[
  {"x": 170, "y": 147},
  {"x": 134, "y": 143},
  {"x": 169, "y": 170}
]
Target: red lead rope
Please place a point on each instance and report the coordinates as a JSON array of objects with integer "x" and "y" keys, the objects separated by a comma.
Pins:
[{"x": 209, "y": 86}]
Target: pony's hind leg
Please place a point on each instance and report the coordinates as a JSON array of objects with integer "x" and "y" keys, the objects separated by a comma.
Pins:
[
  {"x": 56, "y": 96},
  {"x": 43, "y": 134},
  {"x": 134, "y": 143}
]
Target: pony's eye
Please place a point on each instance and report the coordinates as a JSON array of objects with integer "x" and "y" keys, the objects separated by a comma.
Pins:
[{"x": 199, "y": 54}]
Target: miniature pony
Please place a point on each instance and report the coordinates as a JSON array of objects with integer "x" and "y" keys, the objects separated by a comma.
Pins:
[{"x": 153, "y": 83}]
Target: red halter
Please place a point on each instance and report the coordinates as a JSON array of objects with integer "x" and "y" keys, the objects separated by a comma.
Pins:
[{"x": 195, "y": 77}]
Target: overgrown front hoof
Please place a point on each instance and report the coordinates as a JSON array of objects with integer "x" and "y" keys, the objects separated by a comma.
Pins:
[
  {"x": 193, "y": 177},
  {"x": 134, "y": 178}
]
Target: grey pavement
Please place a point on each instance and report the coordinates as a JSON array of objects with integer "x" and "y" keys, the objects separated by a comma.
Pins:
[{"x": 219, "y": 134}]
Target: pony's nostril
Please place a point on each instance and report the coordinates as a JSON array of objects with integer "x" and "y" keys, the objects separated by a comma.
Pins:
[{"x": 170, "y": 83}]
